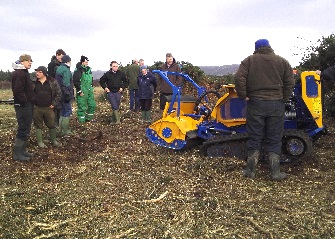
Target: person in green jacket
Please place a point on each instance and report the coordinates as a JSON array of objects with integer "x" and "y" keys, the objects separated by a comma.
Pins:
[
  {"x": 83, "y": 82},
  {"x": 65, "y": 81},
  {"x": 132, "y": 73}
]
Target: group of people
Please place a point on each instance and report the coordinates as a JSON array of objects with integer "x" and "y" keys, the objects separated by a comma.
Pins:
[
  {"x": 48, "y": 100},
  {"x": 265, "y": 80}
]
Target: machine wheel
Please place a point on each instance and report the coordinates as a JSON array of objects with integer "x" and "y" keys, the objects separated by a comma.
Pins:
[{"x": 296, "y": 143}]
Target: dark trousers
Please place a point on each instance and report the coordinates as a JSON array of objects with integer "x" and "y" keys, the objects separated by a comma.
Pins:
[
  {"x": 134, "y": 99},
  {"x": 24, "y": 117},
  {"x": 146, "y": 104},
  {"x": 162, "y": 100},
  {"x": 66, "y": 110},
  {"x": 114, "y": 99},
  {"x": 57, "y": 116},
  {"x": 265, "y": 123},
  {"x": 44, "y": 115}
]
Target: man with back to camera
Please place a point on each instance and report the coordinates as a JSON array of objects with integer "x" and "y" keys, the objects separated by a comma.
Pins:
[
  {"x": 132, "y": 73},
  {"x": 266, "y": 81}
]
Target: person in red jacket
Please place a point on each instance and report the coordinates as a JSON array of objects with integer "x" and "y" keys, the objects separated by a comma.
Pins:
[{"x": 266, "y": 81}]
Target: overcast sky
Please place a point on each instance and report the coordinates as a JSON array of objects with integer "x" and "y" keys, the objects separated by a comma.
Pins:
[{"x": 204, "y": 33}]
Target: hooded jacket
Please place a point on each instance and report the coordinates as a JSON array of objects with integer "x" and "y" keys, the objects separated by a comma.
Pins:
[
  {"x": 82, "y": 77},
  {"x": 65, "y": 81},
  {"x": 163, "y": 86},
  {"x": 22, "y": 86},
  {"x": 264, "y": 75},
  {"x": 147, "y": 85}
]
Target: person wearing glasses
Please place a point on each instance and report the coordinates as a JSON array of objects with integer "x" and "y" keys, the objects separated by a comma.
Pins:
[{"x": 114, "y": 82}]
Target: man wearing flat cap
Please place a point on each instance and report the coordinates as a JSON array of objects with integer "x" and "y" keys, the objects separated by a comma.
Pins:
[
  {"x": 266, "y": 81},
  {"x": 48, "y": 95},
  {"x": 23, "y": 104}
]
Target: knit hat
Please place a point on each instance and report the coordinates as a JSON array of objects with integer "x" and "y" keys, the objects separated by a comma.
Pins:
[
  {"x": 66, "y": 59},
  {"x": 144, "y": 67},
  {"x": 43, "y": 69},
  {"x": 83, "y": 58},
  {"x": 25, "y": 57},
  {"x": 261, "y": 43}
]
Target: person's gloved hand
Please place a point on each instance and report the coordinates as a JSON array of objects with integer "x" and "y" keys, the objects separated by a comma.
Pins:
[{"x": 67, "y": 98}]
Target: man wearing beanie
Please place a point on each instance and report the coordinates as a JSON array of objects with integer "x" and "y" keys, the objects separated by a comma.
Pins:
[
  {"x": 266, "y": 81},
  {"x": 64, "y": 79},
  {"x": 48, "y": 95},
  {"x": 23, "y": 104},
  {"x": 83, "y": 82}
]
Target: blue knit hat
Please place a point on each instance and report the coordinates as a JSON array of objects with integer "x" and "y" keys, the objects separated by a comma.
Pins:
[
  {"x": 144, "y": 67},
  {"x": 261, "y": 43},
  {"x": 66, "y": 59}
]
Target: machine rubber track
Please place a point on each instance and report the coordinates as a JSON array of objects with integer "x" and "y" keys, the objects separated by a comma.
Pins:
[{"x": 296, "y": 145}]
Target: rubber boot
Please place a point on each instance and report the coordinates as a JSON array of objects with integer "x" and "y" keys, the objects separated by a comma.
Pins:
[
  {"x": 39, "y": 138},
  {"x": 117, "y": 117},
  {"x": 60, "y": 125},
  {"x": 144, "y": 115},
  {"x": 274, "y": 161},
  {"x": 66, "y": 126},
  {"x": 113, "y": 120},
  {"x": 53, "y": 135},
  {"x": 250, "y": 170},
  {"x": 148, "y": 116},
  {"x": 25, "y": 152},
  {"x": 17, "y": 155}
]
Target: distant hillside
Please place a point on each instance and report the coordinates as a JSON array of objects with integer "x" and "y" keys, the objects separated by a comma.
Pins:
[
  {"x": 209, "y": 70},
  {"x": 97, "y": 74},
  {"x": 220, "y": 70}
]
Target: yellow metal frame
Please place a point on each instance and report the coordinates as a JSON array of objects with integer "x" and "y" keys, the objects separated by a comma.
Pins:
[
  {"x": 314, "y": 104},
  {"x": 216, "y": 113}
]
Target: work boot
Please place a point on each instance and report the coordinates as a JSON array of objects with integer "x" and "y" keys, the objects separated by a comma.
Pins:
[
  {"x": 117, "y": 117},
  {"x": 113, "y": 120},
  {"x": 250, "y": 170},
  {"x": 65, "y": 126},
  {"x": 39, "y": 138},
  {"x": 148, "y": 116},
  {"x": 25, "y": 152},
  {"x": 53, "y": 135},
  {"x": 17, "y": 155},
  {"x": 274, "y": 161}
]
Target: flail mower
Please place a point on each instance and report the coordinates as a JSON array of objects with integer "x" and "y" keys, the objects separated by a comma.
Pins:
[{"x": 189, "y": 120}]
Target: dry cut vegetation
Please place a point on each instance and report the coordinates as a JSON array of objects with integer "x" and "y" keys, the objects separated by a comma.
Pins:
[{"x": 119, "y": 185}]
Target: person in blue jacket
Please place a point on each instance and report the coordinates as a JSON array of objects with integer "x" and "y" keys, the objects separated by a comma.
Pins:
[{"x": 147, "y": 85}]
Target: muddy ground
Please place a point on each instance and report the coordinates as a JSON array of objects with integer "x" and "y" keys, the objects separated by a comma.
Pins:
[{"x": 120, "y": 185}]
